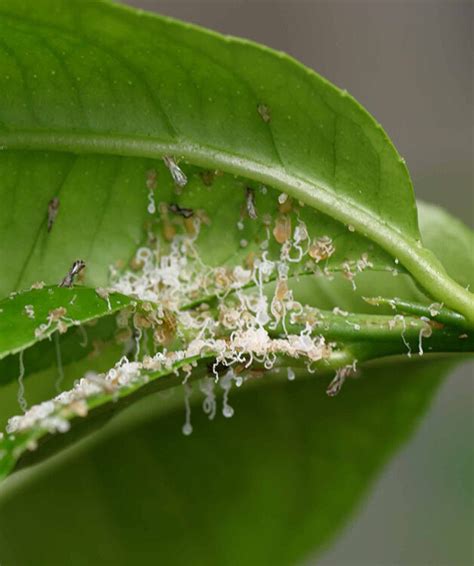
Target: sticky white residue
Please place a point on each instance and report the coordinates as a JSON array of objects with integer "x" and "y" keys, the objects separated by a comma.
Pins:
[
  {"x": 300, "y": 235},
  {"x": 321, "y": 248},
  {"x": 435, "y": 308},
  {"x": 340, "y": 312},
  {"x": 151, "y": 186},
  {"x": 104, "y": 294},
  {"x": 392, "y": 270},
  {"x": 138, "y": 336},
  {"x": 187, "y": 427},
  {"x": 291, "y": 374},
  {"x": 401, "y": 318},
  {"x": 52, "y": 415},
  {"x": 353, "y": 325},
  {"x": 170, "y": 277},
  {"x": 349, "y": 274},
  {"x": 57, "y": 316},
  {"x": 242, "y": 346},
  {"x": 151, "y": 208},
  {"x": 226, "y": 385},
  {"x": 21, "y": 386},
  {"x": 188, "y": 369},
  {"x": 425, "y": 332},
  {"x": 30, "y": 311},
  {"x": 209, "y": 405},
  {"x": 364, "y": 263}
]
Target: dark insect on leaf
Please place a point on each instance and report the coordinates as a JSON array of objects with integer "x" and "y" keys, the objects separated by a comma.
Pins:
[
  {"x": 53, "y": 208},
  {"x": 76, "y": 268},
  {"x": 184, "y": 212}
]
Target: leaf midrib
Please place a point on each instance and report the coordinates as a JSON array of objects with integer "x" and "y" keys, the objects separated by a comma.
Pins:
[{"x": 420, "y": 262}]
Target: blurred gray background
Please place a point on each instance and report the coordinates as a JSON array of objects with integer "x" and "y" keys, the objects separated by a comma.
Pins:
[{"x": 411, "y": 65}]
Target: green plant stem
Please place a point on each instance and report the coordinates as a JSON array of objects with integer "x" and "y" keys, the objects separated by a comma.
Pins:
[
  {"x": 393, "y": 335},
  {"x": 434, "y": 312},
  {"x": 14, "y": 447}
]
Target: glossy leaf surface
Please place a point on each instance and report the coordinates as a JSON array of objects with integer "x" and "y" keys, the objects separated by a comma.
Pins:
[
  {"x": 93, "y": 97},
  {"x": 97, "y": 79}
]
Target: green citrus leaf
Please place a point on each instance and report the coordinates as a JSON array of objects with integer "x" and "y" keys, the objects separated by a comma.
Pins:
[
  {"x": 227, "y": 494},
  {"x": 101, "y": 81},
  {"x": 147, "y": 146},
  {"x": 31, "y": 316},
  {"x": 84, "y": 171},
  {"x": 365, "y": 336},
  {"x": 451, "y": 240},
  {"x": 91, "y": 393}
]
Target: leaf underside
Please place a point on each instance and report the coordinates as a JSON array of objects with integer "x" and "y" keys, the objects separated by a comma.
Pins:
[
  {"x": 211, "y": 497},
  {"x": 199, "y": 178}
]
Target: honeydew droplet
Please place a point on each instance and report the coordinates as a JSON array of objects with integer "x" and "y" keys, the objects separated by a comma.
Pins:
[
  {"x": 187, "y": 429},
  {"x": 228, "y": 411},
  {"x": 151, "y": 202},
  {"x": 226, "y": 385}
]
